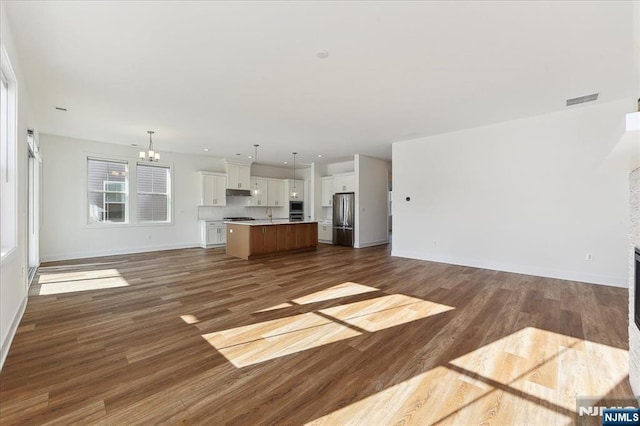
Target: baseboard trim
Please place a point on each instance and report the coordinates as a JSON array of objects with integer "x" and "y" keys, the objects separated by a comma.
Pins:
[
  {"x": 607, "y": 280},
  {"x": 4, "y": 351},
  {"x": 373, "y": 243},
  {"x": 114, "y": 252}
]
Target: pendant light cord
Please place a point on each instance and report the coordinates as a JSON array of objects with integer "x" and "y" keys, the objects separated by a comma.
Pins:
[{"x": 294, "y": 172}]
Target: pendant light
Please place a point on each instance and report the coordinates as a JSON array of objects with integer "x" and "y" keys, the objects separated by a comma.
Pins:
[
  {"x": 150, "y": 155},
  {"x": 256, "y": 190},
  {"x": 294, "y": 192}
]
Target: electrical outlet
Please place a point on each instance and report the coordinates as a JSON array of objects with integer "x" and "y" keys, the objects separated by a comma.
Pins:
[{"x": 588, "y": 256}]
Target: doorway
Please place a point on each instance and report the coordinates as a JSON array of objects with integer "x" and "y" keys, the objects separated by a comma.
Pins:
[{"x": 33, "y": 207}]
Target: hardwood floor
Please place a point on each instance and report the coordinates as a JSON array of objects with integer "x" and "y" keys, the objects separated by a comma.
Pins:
[{"x": 330, "y": 337}]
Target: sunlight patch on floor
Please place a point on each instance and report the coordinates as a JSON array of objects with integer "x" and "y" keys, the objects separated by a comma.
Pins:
[
  {"x": 256, "y": 343},
  {"x": 439, "y": 396},
  {"x": 59, "y": 283},
  {"x": 335, "y": 292},
  {"x": 386, "y": 311},
  {"x": 276, "y": 307},
  {"x": 190, "y": 319},
  {"x": 539, "y": 371},
  {"x": 548, "y": 365}
]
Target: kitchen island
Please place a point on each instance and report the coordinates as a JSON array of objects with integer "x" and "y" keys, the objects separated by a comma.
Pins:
[{"x": 251, "y": 239}]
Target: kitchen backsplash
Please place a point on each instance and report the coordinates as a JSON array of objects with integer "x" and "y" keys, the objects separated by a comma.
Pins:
[{"x": 237, "y": 207}]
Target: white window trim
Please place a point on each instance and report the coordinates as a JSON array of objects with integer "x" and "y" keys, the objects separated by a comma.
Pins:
[
  {"x": 169, "y": 194},
  {"x": 127, "y": 201},
  {"x": 132, "y": 182},
  {"x": 12, "y": 159}
]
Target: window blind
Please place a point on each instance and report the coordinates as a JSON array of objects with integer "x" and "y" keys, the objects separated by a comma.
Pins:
[{"x": 153, "y": 192}]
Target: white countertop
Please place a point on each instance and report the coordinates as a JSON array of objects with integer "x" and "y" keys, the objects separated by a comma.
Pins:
[{"x": 274, "y": 222}]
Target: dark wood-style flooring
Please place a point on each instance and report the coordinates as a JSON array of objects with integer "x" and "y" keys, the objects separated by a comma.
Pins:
[{"x": 329, "y": 337}]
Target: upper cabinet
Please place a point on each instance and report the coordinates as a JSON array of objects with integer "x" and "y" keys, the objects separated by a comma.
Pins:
[
  {"x": 344, "y": 182},
  {"x": 238, "y": 176},
  {"x": 213, "y": 189},
  {"x": 327, "y": 191},
  {"x": 270, "y": 192},
  {"x": 299, "y": 186},
  {"x": 275, "y": 192},
  {"x": 261, "y": 198}
]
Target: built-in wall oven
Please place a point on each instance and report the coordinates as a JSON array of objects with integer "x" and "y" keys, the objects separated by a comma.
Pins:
[{"x": 296, "y": 211}]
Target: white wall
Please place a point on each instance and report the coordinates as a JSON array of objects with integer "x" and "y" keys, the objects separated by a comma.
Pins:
[
  {"x": 372, "y": 184},
  {"x": 336, "y": 168},
  {"x": 13, "y": 278},
  {"x": 65, "y": 233},
  {"x": 532, "y": 196},
  {"x": 302, "y": 173}
]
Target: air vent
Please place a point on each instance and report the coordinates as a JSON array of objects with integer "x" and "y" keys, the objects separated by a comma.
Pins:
[{"x": 582, "y": 99}]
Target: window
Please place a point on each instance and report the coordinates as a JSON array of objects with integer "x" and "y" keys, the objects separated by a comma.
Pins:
[
  {"x": 108, "y": 191},
  {"x": 8, "y": 142},
  {"x": 154, "y": 194}
]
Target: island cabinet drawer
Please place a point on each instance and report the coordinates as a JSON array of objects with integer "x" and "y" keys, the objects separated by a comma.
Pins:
[
  {"x": 264, "y": 239},
  {"x": 294, "y": 237}
]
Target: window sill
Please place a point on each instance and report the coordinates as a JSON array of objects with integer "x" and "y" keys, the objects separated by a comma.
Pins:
[{"x": 126, "y": 225}]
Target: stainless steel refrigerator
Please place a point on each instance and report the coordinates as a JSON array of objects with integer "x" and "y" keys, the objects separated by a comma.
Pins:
[{"x": 343, "y": 218}]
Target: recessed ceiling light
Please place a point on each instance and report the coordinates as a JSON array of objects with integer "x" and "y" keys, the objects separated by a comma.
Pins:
[
  {"x": 286, "y": 162},
  {"x": 322, "y": 54},
  {"x": 319, "y": 155},
  {"x": 251, "y": 156},
  {"x": 61, "y": 109},
  {"x": 206, "y": 150}
]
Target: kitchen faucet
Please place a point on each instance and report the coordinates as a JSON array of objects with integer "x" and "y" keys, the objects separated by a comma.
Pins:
[{"x": 269, "y": 212}]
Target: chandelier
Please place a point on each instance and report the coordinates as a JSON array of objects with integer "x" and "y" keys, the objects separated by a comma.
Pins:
[{"x": 150, "y": 155}]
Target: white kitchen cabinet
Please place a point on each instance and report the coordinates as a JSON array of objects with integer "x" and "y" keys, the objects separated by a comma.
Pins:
[
  {"x": 261, "y": 199},
  {"x": 213, "y": 234},
  {"x": 271, "y": 192},
  {"x": 344, "y": 182},
  {"x": 325, "y": 232},
  {"x": 275, "y": 192},
  {"x": 299, "y": 184},
  {"x": 238, "y": 176},
  {"x": 213, "y": 189},
  {"x": 327, "y": 191}
]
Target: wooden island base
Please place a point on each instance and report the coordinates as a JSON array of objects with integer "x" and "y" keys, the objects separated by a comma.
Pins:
[{"x": 249, "y": 240}]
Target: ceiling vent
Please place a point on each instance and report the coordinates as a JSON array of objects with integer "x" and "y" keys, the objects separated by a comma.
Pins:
[{"x": 582, "y": 99}]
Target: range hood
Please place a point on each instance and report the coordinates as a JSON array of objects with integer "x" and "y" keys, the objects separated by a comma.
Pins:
[{"x": 238, "y": 192}]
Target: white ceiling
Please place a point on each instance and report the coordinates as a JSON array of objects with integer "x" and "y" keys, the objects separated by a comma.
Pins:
[{"x": 226, "y": 75}]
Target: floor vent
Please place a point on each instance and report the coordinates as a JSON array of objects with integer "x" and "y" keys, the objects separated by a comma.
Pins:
[{"x": 582, "y": 99}]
